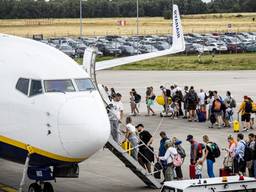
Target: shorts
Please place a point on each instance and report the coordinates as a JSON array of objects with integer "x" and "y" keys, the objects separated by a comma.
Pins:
[
  {"x": 246, "y": 117},
  {"x": 191, "y": 107}
]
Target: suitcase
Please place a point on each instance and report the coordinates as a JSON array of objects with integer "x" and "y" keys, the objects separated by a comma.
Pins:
[
  {"x": 192, "y": 171},
  {"x": 126, "y": 145},
  {"x": 225, "y": 172},
  {"x": 201, "y": 116},
  {"x": 236, "y": 125}
]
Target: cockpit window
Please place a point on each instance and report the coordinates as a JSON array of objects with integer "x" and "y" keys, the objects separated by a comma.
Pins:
[
  {"x": 35, "y": 88},
  {"x": 59, "y": 86},
  {"x": 84, "y": 84},
  {"x": 22, "y": 85}
]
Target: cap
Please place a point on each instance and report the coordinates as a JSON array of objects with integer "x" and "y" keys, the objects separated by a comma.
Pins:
[{"x": 189, "y": 137}]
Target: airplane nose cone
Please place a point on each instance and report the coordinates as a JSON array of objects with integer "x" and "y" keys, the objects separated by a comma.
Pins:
[{"x": 84, "y": 126}]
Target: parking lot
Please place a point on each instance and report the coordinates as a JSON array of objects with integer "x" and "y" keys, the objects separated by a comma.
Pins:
[{"x": 131, "y": 45}]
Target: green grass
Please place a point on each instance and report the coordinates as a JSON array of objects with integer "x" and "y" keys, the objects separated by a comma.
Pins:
[{"x": 192, "y": 63}]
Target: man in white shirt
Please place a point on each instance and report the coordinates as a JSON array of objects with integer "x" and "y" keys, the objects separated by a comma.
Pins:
[
  {"x": 116, "y": 115},
  {"x": 201, "y": 97}
]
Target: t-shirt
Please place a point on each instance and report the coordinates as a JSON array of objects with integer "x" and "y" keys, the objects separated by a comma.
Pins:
[
  {"x": 131, "y": 128},
  {"x": 169, "y": 155},
  {"x": 201, "y": 97},
  {"x": 210, "y": 155},
  {"x": 145, "y": 136},
  {"x": 117, "y": 108}
]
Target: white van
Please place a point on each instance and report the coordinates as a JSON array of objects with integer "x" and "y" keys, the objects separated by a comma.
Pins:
[{"x": 217, "y": 184}]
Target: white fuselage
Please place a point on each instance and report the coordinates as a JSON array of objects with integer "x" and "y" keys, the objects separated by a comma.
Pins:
[{"x": 67, "y": 126}]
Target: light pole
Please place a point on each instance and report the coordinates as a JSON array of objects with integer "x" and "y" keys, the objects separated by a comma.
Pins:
[
  {"x": 81, "y": 19},
  {"x": 137, "y": 21}
]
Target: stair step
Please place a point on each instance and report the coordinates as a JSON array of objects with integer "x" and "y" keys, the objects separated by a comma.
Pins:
[{"x": 132, "y": 164}]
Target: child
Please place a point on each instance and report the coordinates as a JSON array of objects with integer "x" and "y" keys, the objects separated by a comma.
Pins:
[{"x": 199, "y": 169}]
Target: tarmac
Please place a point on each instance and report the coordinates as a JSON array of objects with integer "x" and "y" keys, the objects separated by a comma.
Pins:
[{"x": 103, "y": 171}]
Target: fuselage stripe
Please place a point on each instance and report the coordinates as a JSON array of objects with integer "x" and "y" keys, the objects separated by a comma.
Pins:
[{"x": 39, "y": 151}]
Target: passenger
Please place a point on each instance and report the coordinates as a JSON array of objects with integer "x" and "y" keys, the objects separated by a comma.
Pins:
[
  {"x": 251, "y": 145},
  {"x": 162, "y": 150},
  {"x": 253, "y": 114},
  {"x": 217, "y": 110},
  {"x": 185, "y": 102},
  {"x": 192, "y": 103},
  {"x": 246, "y": 109},
  {"x": 166, "y": 93},
  {"x": 146, "y": 152},
  {"x": 130, "y": 134},
  {"x": 150, "y": 97},
  {"x": 230, "y": 104},
  {"x": 199, "y": 170},
  {"x": 137, "y": 100},
  {"x": 132, "y": 104},
  {"x": 209, "y": 156},
  {"x": 182, "y": 154},
  {"x": 112, "y": 92},
  {"x": 229, "y": 158},
  {"x": 169, "y": 155},
  {"x": 239, "y": 162},
  {"x": 201, "y": 98},
  {"x": 178, "y": 98},
  {"x": 254, "y": 158},
  {"x": 195, "y": 152},
  {"x": 116, "y": 115}
]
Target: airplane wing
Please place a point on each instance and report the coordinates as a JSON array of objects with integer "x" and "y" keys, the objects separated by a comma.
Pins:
[{"x": 178, "y": 45}]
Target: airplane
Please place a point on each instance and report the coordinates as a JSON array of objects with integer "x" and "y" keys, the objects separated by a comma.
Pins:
[{"x": 52, "y": 115}]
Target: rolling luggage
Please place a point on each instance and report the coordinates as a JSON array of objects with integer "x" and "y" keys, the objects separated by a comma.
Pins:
[
  {"x": 201, "y": 116},
  {"x": 236, "y": 125},
  {"x": 224, "y": 172},
  {"x": 192, "y": 171},
  {"x": 126, "y": 145}
]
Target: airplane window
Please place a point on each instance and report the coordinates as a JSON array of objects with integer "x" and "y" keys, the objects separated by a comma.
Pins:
[
  {"x": 59, "y": 86},
  {"x": 35, "y": 88},
  {"x": 22, "y": 85},
  {"x": 84, "y": 84}
]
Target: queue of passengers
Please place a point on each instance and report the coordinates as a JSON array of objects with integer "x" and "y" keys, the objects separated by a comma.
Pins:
[
  {"x": 201, "y": 106},
  {"x": 240, "y": 154}
]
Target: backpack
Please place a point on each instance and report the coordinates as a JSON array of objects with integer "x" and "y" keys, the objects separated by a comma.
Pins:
[
  {"x": 233, "y": 103},
  {"x": 248, "y": 107},
  {"x": 192, "y": 97},
  {"x": 215, "y": 150},
  {"x": 137, "y": 98},
  {"x": 200, "y": 148},
  {"x": 217, "y": 105},
  {"x": 168, "y": 93},
  {"x": 181, "y": 152},
  {"x": 248, "y": 152},
  {"x": 177, "y": 160}
]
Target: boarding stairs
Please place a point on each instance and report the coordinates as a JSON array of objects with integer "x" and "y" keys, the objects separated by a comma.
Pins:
[
  {"x": 114, "y": 147},
  {"x": 132, "y": 164}
]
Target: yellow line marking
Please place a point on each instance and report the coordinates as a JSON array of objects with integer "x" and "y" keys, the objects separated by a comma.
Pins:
[
  {"x": 6, "y": 188},
  {"x": 40, "y": 151}
]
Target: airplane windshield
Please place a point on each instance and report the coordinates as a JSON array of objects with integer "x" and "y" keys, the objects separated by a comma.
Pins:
[
  {"x": 84, "y": 84},
  {"x": 59, "y": 86}
]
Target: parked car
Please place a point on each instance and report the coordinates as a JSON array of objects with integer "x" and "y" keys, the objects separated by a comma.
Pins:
[
  {"x": 67, "y": 50},
  {"x": 108, "y": 50}
]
